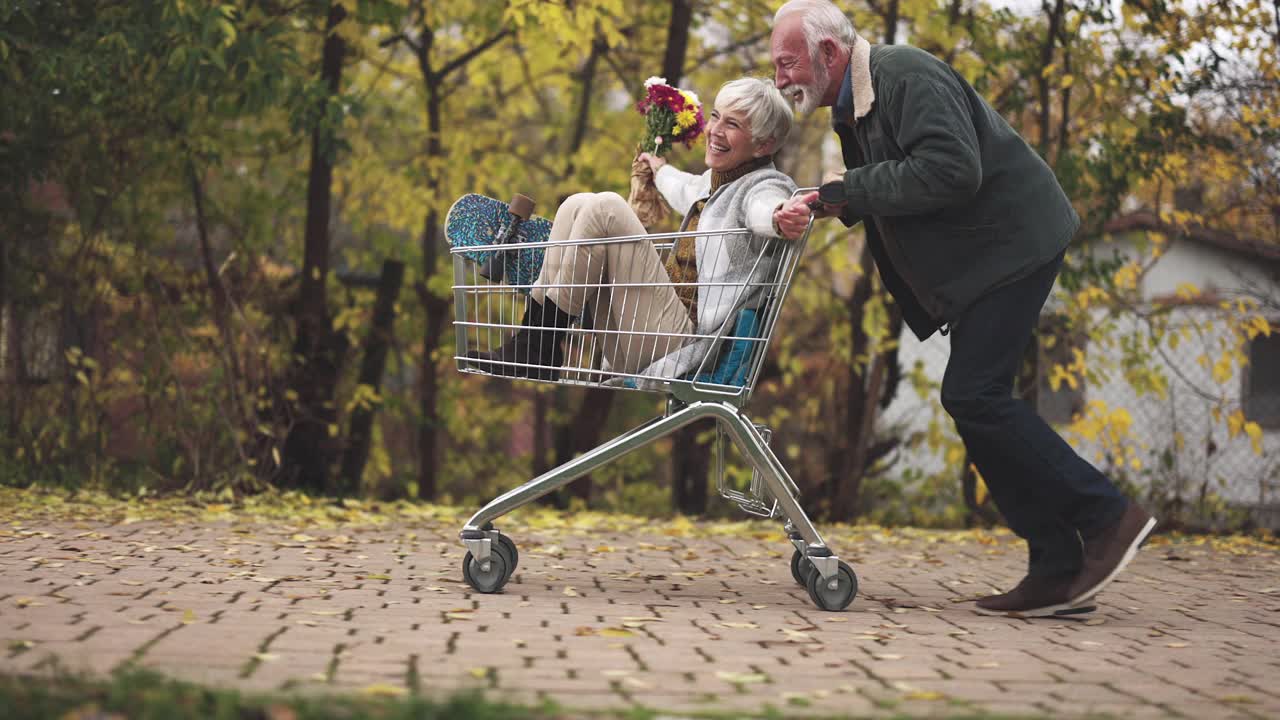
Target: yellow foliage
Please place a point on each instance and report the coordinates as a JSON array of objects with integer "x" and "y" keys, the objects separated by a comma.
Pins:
[
  {"x": 1111, "y": 428},
  {"x": 1187, "y": 291},
  {"x": 1126, "y": 277},
  {"x": 1235, "y": 423},
  {"x": 1254, "y": 431},
  {"x": 1090, "y": 295},
  {"x": 1223, "y": 368},
  {"x": 1257, "y": 325}
]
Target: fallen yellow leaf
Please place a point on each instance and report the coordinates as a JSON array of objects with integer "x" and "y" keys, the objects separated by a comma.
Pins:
[{"x": 741, "y": 678}]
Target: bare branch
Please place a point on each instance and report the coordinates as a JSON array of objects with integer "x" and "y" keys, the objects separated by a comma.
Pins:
[
  {"x": 471, "y": 54},
  {"x": 730, "y": 48}
]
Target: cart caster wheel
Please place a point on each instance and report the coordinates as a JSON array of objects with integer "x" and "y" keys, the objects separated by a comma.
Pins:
[
  {"x": 512, "y": 553},
  {"x": 800, "y": 567},
  {"x": 837, "y": 598},
  {"x": 497, "y": 575}
]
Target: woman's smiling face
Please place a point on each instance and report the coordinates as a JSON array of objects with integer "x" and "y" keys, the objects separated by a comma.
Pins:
[{"x": 729, "y": 142}]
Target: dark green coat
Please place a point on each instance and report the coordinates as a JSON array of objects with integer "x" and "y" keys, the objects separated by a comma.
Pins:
[{"x": 954, "y": 201}]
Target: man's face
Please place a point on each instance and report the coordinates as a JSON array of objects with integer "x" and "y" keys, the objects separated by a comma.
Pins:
[{"x": 802, "y": 77}]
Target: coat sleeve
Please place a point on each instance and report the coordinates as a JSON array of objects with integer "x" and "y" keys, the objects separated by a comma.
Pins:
[
  {"x": 761, "y": 200},
  {"x": 681, "y": 189},
  {"x": 929, "y": 117}
]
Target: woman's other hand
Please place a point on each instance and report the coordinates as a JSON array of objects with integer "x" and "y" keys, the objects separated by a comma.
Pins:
[
  {"x": 792, "y": 217},
  {"x": 654, "y": 161}
]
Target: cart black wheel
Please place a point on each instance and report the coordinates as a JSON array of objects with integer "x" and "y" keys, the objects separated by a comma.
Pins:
[
  {"x": 837, "y": 598},
  {"x": 497, "y": 575},
  {"x": 512, "y": 553},
  {"x": 800, "y": 567}
]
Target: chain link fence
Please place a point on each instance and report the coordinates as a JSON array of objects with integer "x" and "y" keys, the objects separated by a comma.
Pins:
[{"x": 1180, "y": 451}]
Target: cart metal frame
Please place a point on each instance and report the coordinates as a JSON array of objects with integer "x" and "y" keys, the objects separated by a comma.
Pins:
[{"x": 492, "y": 556}]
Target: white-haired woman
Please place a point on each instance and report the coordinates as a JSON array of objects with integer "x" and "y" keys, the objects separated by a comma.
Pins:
[{"x": 740, "y": 189}]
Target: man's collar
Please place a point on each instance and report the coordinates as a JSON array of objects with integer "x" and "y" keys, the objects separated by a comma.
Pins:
[{"x": 857, "y": 94}]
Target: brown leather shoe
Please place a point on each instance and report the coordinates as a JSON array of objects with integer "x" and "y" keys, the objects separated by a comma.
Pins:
[
  {"x": 1035, "y": 596},
  {"x": 1108, "y": 552}
]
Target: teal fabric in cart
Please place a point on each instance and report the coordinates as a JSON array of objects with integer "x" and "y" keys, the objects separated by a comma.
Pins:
[{"x": 734, "y": 367}]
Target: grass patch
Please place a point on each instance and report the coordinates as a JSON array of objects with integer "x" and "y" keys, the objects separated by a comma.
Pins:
[
  {"x": 145, "y": 695},
  {"x": 137, "y": 694}
]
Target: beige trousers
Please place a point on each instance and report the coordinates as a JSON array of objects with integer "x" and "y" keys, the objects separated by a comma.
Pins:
[{"x": 622, "y": 313}]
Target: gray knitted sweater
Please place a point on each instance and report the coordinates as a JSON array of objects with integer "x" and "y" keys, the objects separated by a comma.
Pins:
[{"x": 747, "y": 202}]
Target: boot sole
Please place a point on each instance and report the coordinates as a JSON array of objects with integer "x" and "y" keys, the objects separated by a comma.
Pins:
[
  {"x": 1059, "y": 610},
  {"x": 516, "y": 372},
  {"x": 1129, "y": 554}
]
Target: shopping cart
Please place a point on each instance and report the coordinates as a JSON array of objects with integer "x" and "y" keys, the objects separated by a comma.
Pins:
[{"x": 726, "y": 365}]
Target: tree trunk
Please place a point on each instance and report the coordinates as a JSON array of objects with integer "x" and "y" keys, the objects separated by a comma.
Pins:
[
  {"x": 893, "y": 369},
  {"x": 582, "y": 431},
  {"x": 690, "y": 460},
  {"x": 891, "y": 23},
  {"x": 1064, "y": 122},
  {"x": 371, "y": 368},
  {"x": 539, "y": 463},
  {"x": 868, "y": 388},
  {"x": 308, "y": 449},
  {"x": 435, "y": 309},
  {"x": 677, "y": 41},
  {"x": 690, "y": 466},
  {"x": 845, "y": 481},
  {"x": 1042, "y": 80}
]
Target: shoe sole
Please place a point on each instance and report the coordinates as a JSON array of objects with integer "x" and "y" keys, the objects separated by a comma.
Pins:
[
  {"x": 1060, "y": 610},
  {"x": 1129, "y": 554}
]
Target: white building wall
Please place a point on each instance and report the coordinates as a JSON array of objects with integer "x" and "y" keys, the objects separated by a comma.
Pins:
[{"x": 1205, "y": 458}]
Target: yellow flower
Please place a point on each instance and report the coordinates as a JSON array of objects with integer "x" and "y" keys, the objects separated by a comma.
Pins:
[{"x": 685, "y": 119}]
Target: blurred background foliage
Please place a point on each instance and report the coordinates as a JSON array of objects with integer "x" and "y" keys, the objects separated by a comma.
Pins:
[{"x": 202, "y": 202}]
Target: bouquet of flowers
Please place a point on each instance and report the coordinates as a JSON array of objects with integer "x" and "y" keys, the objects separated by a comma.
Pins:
[{"x": 671, "y": 116}]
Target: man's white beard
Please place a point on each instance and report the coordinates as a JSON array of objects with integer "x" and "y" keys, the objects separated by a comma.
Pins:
[{"x": 806, "y": 97}]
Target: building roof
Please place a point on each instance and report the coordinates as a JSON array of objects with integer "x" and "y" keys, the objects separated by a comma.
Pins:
[{"x": 1149, "y": 221}]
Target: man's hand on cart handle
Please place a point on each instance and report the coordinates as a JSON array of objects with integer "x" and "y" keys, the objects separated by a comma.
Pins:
[{"x": 829, "y": 201}]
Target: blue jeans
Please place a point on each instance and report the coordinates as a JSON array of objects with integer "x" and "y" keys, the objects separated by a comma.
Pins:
[{"x": 1048, "y": 494}]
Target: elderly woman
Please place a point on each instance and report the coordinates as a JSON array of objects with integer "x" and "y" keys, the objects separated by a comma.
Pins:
[{"x": 654, "y": 319}]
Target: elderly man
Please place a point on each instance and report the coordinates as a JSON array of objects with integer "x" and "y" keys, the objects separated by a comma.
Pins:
[{"x": 968, "y": 226}]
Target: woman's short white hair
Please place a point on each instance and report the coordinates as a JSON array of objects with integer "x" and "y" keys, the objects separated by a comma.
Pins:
[
  {"x": 766, "y": 111},
  {"x": 821, "y": 21}
]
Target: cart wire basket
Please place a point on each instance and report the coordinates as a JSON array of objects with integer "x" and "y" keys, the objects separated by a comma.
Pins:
[{"x": 707, "y": 371}]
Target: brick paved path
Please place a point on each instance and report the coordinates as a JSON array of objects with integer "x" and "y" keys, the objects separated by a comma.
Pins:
[{"x": 602, "y": 621}]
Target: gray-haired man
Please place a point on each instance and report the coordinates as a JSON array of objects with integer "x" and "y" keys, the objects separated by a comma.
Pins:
[{"x": 968, "y": 226}]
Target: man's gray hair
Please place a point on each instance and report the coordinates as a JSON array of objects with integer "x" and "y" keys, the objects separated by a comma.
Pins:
[
  {"x": 821, "y": 21},
  {"x": 761, "y": 104}
]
